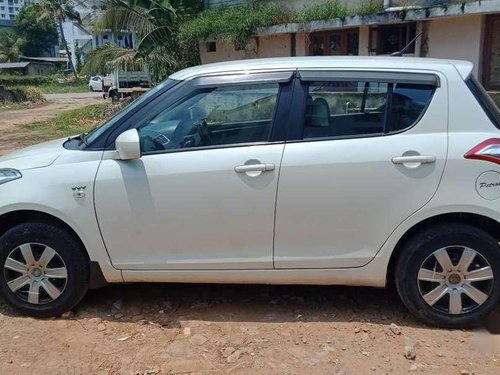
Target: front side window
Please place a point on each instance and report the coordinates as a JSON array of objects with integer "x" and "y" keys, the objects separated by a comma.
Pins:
[
  {"x": 213, "y": 117},
  {"x": 358, "y": 108}
]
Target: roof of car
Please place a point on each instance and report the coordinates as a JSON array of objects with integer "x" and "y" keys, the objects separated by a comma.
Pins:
[{"x": 323, "y": 62}]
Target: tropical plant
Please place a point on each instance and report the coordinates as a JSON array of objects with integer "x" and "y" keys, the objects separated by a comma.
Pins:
[
  {"x": 10, "y": 46},
  {"x": 39, "y": 35},
  {"x": 60, "y": 11},
  {"x": 156, "y": 24}
]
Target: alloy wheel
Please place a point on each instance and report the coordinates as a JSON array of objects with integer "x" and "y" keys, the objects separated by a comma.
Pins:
[
  {"x": 35, "y": 273},
  {"x": 455, "y": 280}
]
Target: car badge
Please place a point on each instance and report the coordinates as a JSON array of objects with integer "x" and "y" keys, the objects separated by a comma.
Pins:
[{"x": 79, "y": 191}]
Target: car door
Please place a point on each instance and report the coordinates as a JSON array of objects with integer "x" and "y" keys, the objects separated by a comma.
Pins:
[
  {"x": 203, "y": 194},
  {"x": 367, "y": 151}
]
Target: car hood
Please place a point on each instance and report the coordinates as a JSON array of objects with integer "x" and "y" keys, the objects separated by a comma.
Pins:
[{"x": 37, "y": 156}]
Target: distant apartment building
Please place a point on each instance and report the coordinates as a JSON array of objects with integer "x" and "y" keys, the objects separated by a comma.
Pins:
[
  {"x": 10, "y": 8},
  {"x": 467, "y": 30}
]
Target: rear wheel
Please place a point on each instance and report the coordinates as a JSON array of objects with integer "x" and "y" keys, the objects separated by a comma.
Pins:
[
  {"x": 44, "y": 270},
  {"x": 449, "y": 275}
]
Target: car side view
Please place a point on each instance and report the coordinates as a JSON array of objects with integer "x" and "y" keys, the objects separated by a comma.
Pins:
[{"x": 319, "y": 170}]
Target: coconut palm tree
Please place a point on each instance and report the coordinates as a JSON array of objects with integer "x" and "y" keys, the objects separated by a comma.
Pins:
[
  {"x": 60, "y": 11},
  {"x": 10, "y": 46},
  {"x": 156, "y": 23}
]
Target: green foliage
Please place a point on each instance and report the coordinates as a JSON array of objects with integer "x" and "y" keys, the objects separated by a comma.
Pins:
[
  {"x": 330, "y": 9},
  {"x": 10, "y": 46},
  {"x": 368, "y": 7},
  {"x": 156, "y": 23},
  {"x": 235, "y": 24},
  {"x": 21, "y": 95},
  {"x": 40, "y": 34},
  {"x": 14, "y": 80}
]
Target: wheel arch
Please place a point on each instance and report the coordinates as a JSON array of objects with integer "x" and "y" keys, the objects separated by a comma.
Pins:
[
  {"x": 489, "y": 225},
  {"x": 11, "y": 219}
]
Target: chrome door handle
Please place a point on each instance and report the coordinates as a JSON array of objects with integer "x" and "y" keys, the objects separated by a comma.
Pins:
[
  {"x": 414, "y": 159},
  {"x": 254, "y": 168}
]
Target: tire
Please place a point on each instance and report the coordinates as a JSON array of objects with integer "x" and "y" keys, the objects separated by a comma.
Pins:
[
  {"x": 452, "y": 304},
  {"x": 69, "y": 265},
  {"x": 91, "y": 88},
  {"x": 114, "y": 97}
]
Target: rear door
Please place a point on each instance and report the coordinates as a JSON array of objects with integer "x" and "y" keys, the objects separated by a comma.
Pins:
[{"x": 368, "y": 149}]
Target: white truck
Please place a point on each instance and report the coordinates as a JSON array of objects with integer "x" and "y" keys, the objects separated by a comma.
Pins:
[{"x": 123, "y": 83}]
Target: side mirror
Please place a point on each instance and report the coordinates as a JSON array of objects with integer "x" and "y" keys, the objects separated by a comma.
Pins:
[{"x": 128, "y": 145}]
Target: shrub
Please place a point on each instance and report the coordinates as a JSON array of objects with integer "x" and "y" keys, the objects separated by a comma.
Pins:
[
  {"x": 236, "y": 24},
  {"x": 13, "y": 80},
  {"x": 21, "y": 95},
  {"x": 330, "y": 9}
]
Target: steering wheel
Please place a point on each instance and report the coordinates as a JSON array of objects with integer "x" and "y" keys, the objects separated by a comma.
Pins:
[{"x": 202, "y": 129}]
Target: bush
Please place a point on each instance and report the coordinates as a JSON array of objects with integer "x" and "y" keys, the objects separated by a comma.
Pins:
[
  {"x": 236, "y": 24},
  {"x": 21, "y": 95},
  {"x": 13, "y": 80},
  {"x": 330, "y": 9}
]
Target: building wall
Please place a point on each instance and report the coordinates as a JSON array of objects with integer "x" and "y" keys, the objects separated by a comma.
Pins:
[
  {"x": 35, "y": 69},
  {"x": 274, "y": 45},
  {"x": 456, "y": 38},
  {"x": 10, "y": 8},
  {"x": 226, "y": 52}
]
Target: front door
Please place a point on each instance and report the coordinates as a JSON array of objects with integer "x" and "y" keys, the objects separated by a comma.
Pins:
[
  {"x": 369, "y": 152},
  {"x": 203, "y": 194},
  {"x": 491, "y": 63}
]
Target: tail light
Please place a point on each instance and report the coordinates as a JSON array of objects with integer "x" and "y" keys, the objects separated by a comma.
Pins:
[{"x": 488, "y": 150}]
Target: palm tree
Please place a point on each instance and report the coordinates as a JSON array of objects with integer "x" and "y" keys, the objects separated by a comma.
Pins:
[
  {"x": 60, "y": 11},
  {"x": 156, "y": 23},
  {"x": 10, "y": 46}
]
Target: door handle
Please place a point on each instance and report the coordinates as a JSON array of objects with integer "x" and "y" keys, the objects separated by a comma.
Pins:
[
  {"x": 414, "y": 159},
  {"x": 254, "y": 168}
]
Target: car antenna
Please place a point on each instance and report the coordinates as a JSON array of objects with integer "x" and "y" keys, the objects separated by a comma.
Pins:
[{"x": 400, "y": 53}]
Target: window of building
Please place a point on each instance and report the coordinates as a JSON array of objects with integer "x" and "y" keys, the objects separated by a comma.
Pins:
[
  {"x": 357, "y": 108},
  {"x": 387, "y": 39},
  {"x": 211, "y": 46},
  {"x": 334, "y": 43},
  {"x": 212, "y": 117}
]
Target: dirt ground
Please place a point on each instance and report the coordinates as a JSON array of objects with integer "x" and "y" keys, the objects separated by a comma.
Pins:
[
  {"x": 219, "y": 329},
  {"x": 12, "y": 138}
]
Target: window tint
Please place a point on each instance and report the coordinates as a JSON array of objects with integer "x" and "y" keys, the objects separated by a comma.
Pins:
[
  {"x": 356, "y": 108},
  {"x": 345, "y": 108},
  {"x": 408, "y": 103},
  {"x": 487, "y": 104},
  {"x": 212, "y": 117}
]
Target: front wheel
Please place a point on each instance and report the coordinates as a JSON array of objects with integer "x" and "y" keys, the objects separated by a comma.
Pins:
[
  {"x": 449, "y": 275},
  {"x": 45, "y": 272}
]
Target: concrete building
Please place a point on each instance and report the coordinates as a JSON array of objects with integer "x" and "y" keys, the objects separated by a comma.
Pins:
[
  {"x": 468, "y": 30},
  {"x": 10, "y": 8}
]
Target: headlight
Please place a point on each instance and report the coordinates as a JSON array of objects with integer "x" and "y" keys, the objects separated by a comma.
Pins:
[{"x": 8, "y": 174}]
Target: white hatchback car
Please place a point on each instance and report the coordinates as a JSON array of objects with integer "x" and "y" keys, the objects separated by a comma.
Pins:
[
  {"x": 95, "y": 83},
  {"x": 353, "y": 171}
]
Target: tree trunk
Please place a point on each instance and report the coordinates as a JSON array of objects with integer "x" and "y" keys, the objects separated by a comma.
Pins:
[{"x": 65, "y": 43}]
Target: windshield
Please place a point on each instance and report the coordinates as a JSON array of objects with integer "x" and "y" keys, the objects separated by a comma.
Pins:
[{"x": 97, "y": 132}]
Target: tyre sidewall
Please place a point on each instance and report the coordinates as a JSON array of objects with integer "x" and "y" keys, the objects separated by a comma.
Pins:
[
  {"x": 67, "y": 248},
  {"x": 417, "y": 251}
]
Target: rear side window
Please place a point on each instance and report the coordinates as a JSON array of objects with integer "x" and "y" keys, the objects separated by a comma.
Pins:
[
  {"x": 487, "y": 104},
  {"x": 358, "y": 108}
]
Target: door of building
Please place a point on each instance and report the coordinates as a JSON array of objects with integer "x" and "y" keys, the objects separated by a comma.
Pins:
[
  {"x": 491, "y": 63},
  {"x": 334, "y": 43}
]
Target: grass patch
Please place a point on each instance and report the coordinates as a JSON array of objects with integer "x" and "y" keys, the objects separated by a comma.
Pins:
[
  {"x": 69, "y": 123},
  {"x": 59, "y": 88}
]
